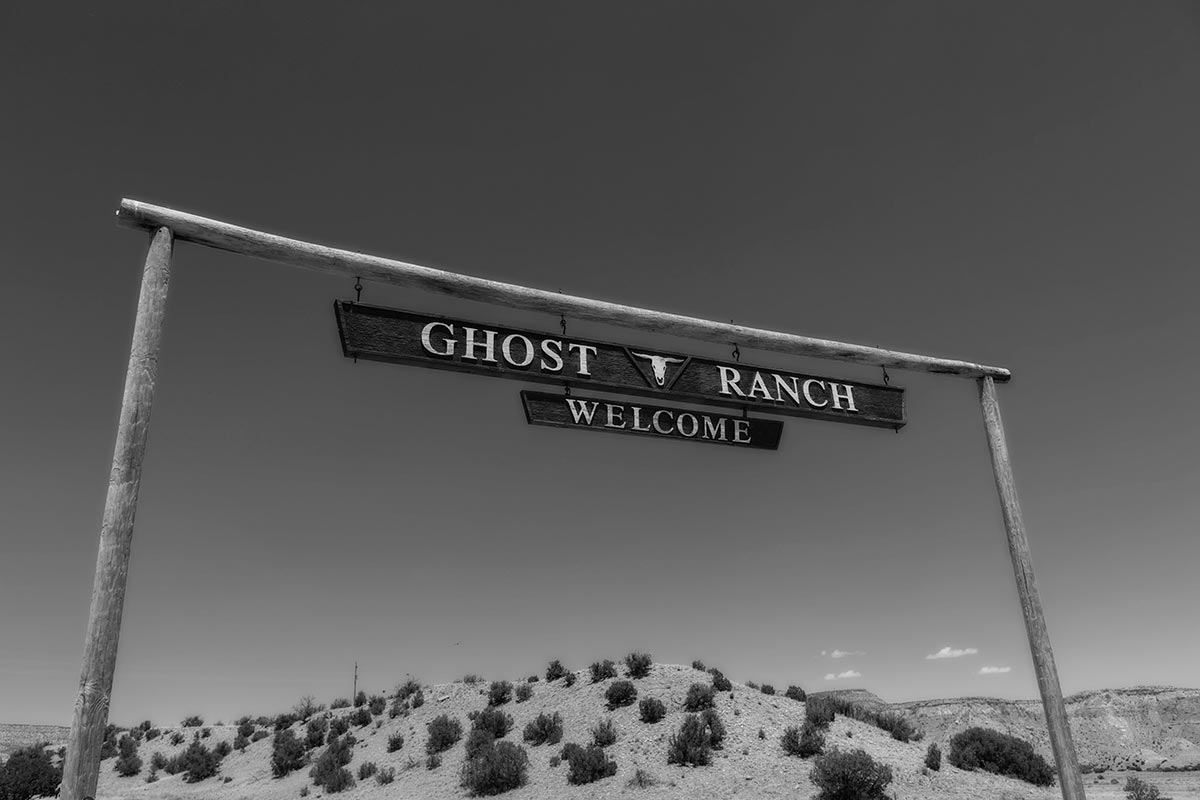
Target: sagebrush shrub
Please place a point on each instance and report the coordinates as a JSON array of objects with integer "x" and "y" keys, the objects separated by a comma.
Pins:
[
  {"x": 177, "y": 738},
  {"x": 158, "y": 761},
  {"x": 338, "y": 726},
  {"x": 340, "y": 702},
  {"x": 306, "y": 707},
  {"x": 329, "y": 770},
  {"x": 288, "y": 753},
  {"x": 494, "y": 721},
  {"x": 795, "y": 693},
  {"x": 495, "y": 769},
  {"x": 637, "y": 665},
  {"x": 407, "y": 690},
  {"x": 367, "y": 769},
  {"x": 376, "y": 705},
  {"x": 443, "y": 733},
  {"x": 314, "y": 732},
  {"x": 246, "y": 728},
  {"x": 546, "y": 729},
  {"x": 752, "y": 685},
  {"x": 240, "y": 743},
  {"x": 524, "y": 692},
  {"x": 258, "y": 736},
  {"x": 360, "y": 716},
  {"x": 604, "y": 733},
  {"x": 555, "y": 670},
  {"x": 192, "y": 722},
  {"x": 999, "y": 753},
  {"x": 153, "y": 733},
  {"x": 641, "y": 780},
  {"x": 29, "y": 772},
  {"x": 768, "y": 689},
  {"x": 851, "y": 775},
  {"x": 472, "y": 678},
  {"x": 283, "y": 721},
  {"x": 699, "y": 665},
  {"x": 197, "y": 763},
  {"x": 933, "y": 757},
  {"x": 803, "y": 742},
  {"x": 385, "y": 776},
  {"x": 716, "y": 728},
  {"x": 699, "y": 697},
  {"x": 478, "y": 739},
  {"x": 1138, "y": 789},
  {"x": 569, "y": 679},
  {"x": 395, "y": 742},
  {"x": 819, "y": 711},
  {"x": 588, "y": 764},
  {"x": 897, "y": 725},
  {"x": 620, "y": 694},
  {"x": 433, "y": 761},
  {"x": 128, "y": 762},
  {"x": 222, "y": 749},
  {"x": 719, "y": 682},
  {"x": 499, "y": 693},
  {"x": 360, "y": 699},
  {"x": 691, "y": 744},
  {"x": 651, "y": 710},
  {"x": 603, "y": 670}
]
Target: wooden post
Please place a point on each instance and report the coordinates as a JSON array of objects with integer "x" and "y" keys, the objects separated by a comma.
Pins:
[
  {"x": 1069, "y": 777},
  {"x": 82, "y": 766}
]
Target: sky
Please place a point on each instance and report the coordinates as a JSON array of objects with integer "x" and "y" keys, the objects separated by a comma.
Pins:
[{"x": 1007, "y": 183}]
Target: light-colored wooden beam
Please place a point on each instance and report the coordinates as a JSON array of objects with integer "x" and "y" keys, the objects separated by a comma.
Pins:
[
  {"x": 82, "y": 766},
  {"x": 236, "y": 239},
  {"x": 1069, "y": 777}
]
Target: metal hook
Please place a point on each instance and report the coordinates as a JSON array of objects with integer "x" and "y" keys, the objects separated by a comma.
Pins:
[
  {"x": 358, "y": 287},
  {"x": 562, "y": 323},
  {"x": 886, "y": 379},
  {"x": 737, "y": 354}
]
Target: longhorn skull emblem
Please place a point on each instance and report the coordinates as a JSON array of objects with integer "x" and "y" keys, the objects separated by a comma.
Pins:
[{"x": 659, "y": 365}]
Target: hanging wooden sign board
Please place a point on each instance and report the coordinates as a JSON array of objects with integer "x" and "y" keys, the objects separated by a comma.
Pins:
[
  {"x": 402, "y": 337},
  {"x": 643, "y": 419}
]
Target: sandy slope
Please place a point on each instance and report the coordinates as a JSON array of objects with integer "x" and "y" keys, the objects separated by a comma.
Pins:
[{"x": 746, "y": 767}]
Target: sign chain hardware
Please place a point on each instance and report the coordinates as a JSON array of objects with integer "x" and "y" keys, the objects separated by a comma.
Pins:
[
  {"x": 562, "y": 323},
  {"x": 887, "y": 381}
]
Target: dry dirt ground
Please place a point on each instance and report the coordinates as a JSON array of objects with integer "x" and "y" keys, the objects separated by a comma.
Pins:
[{"x": 748, "y": 766}]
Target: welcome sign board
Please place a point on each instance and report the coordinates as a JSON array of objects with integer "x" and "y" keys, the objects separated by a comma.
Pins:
[{"x": 402, "y": 337}]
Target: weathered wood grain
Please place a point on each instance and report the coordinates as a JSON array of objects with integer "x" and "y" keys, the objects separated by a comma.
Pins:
[
  {"x": 82, "y": 765},
  {"x": 236, "y": 239},
  {"x": 635, "y": 418},
  {"x": 395, "y": 336},
  {"x": 1069, "y": 776}
]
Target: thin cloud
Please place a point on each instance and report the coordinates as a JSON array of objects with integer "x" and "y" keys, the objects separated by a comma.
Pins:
[
  {"x": 994, "y": 670},
  {"x": 951, "y": 652},
  {"x": 843, "y": 675},
  {"x": 843, "y": 653}
]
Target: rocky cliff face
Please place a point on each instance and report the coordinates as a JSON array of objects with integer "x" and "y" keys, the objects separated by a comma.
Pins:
[{"x": 1139, "y": 728}]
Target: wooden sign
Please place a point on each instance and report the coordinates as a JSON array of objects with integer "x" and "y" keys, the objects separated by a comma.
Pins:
[
  {"x": 402, "y": 337},
  {"x": 618, "y": 416}
]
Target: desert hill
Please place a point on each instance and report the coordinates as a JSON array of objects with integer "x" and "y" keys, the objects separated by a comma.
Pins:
[{"x": 748, "y": 765}]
